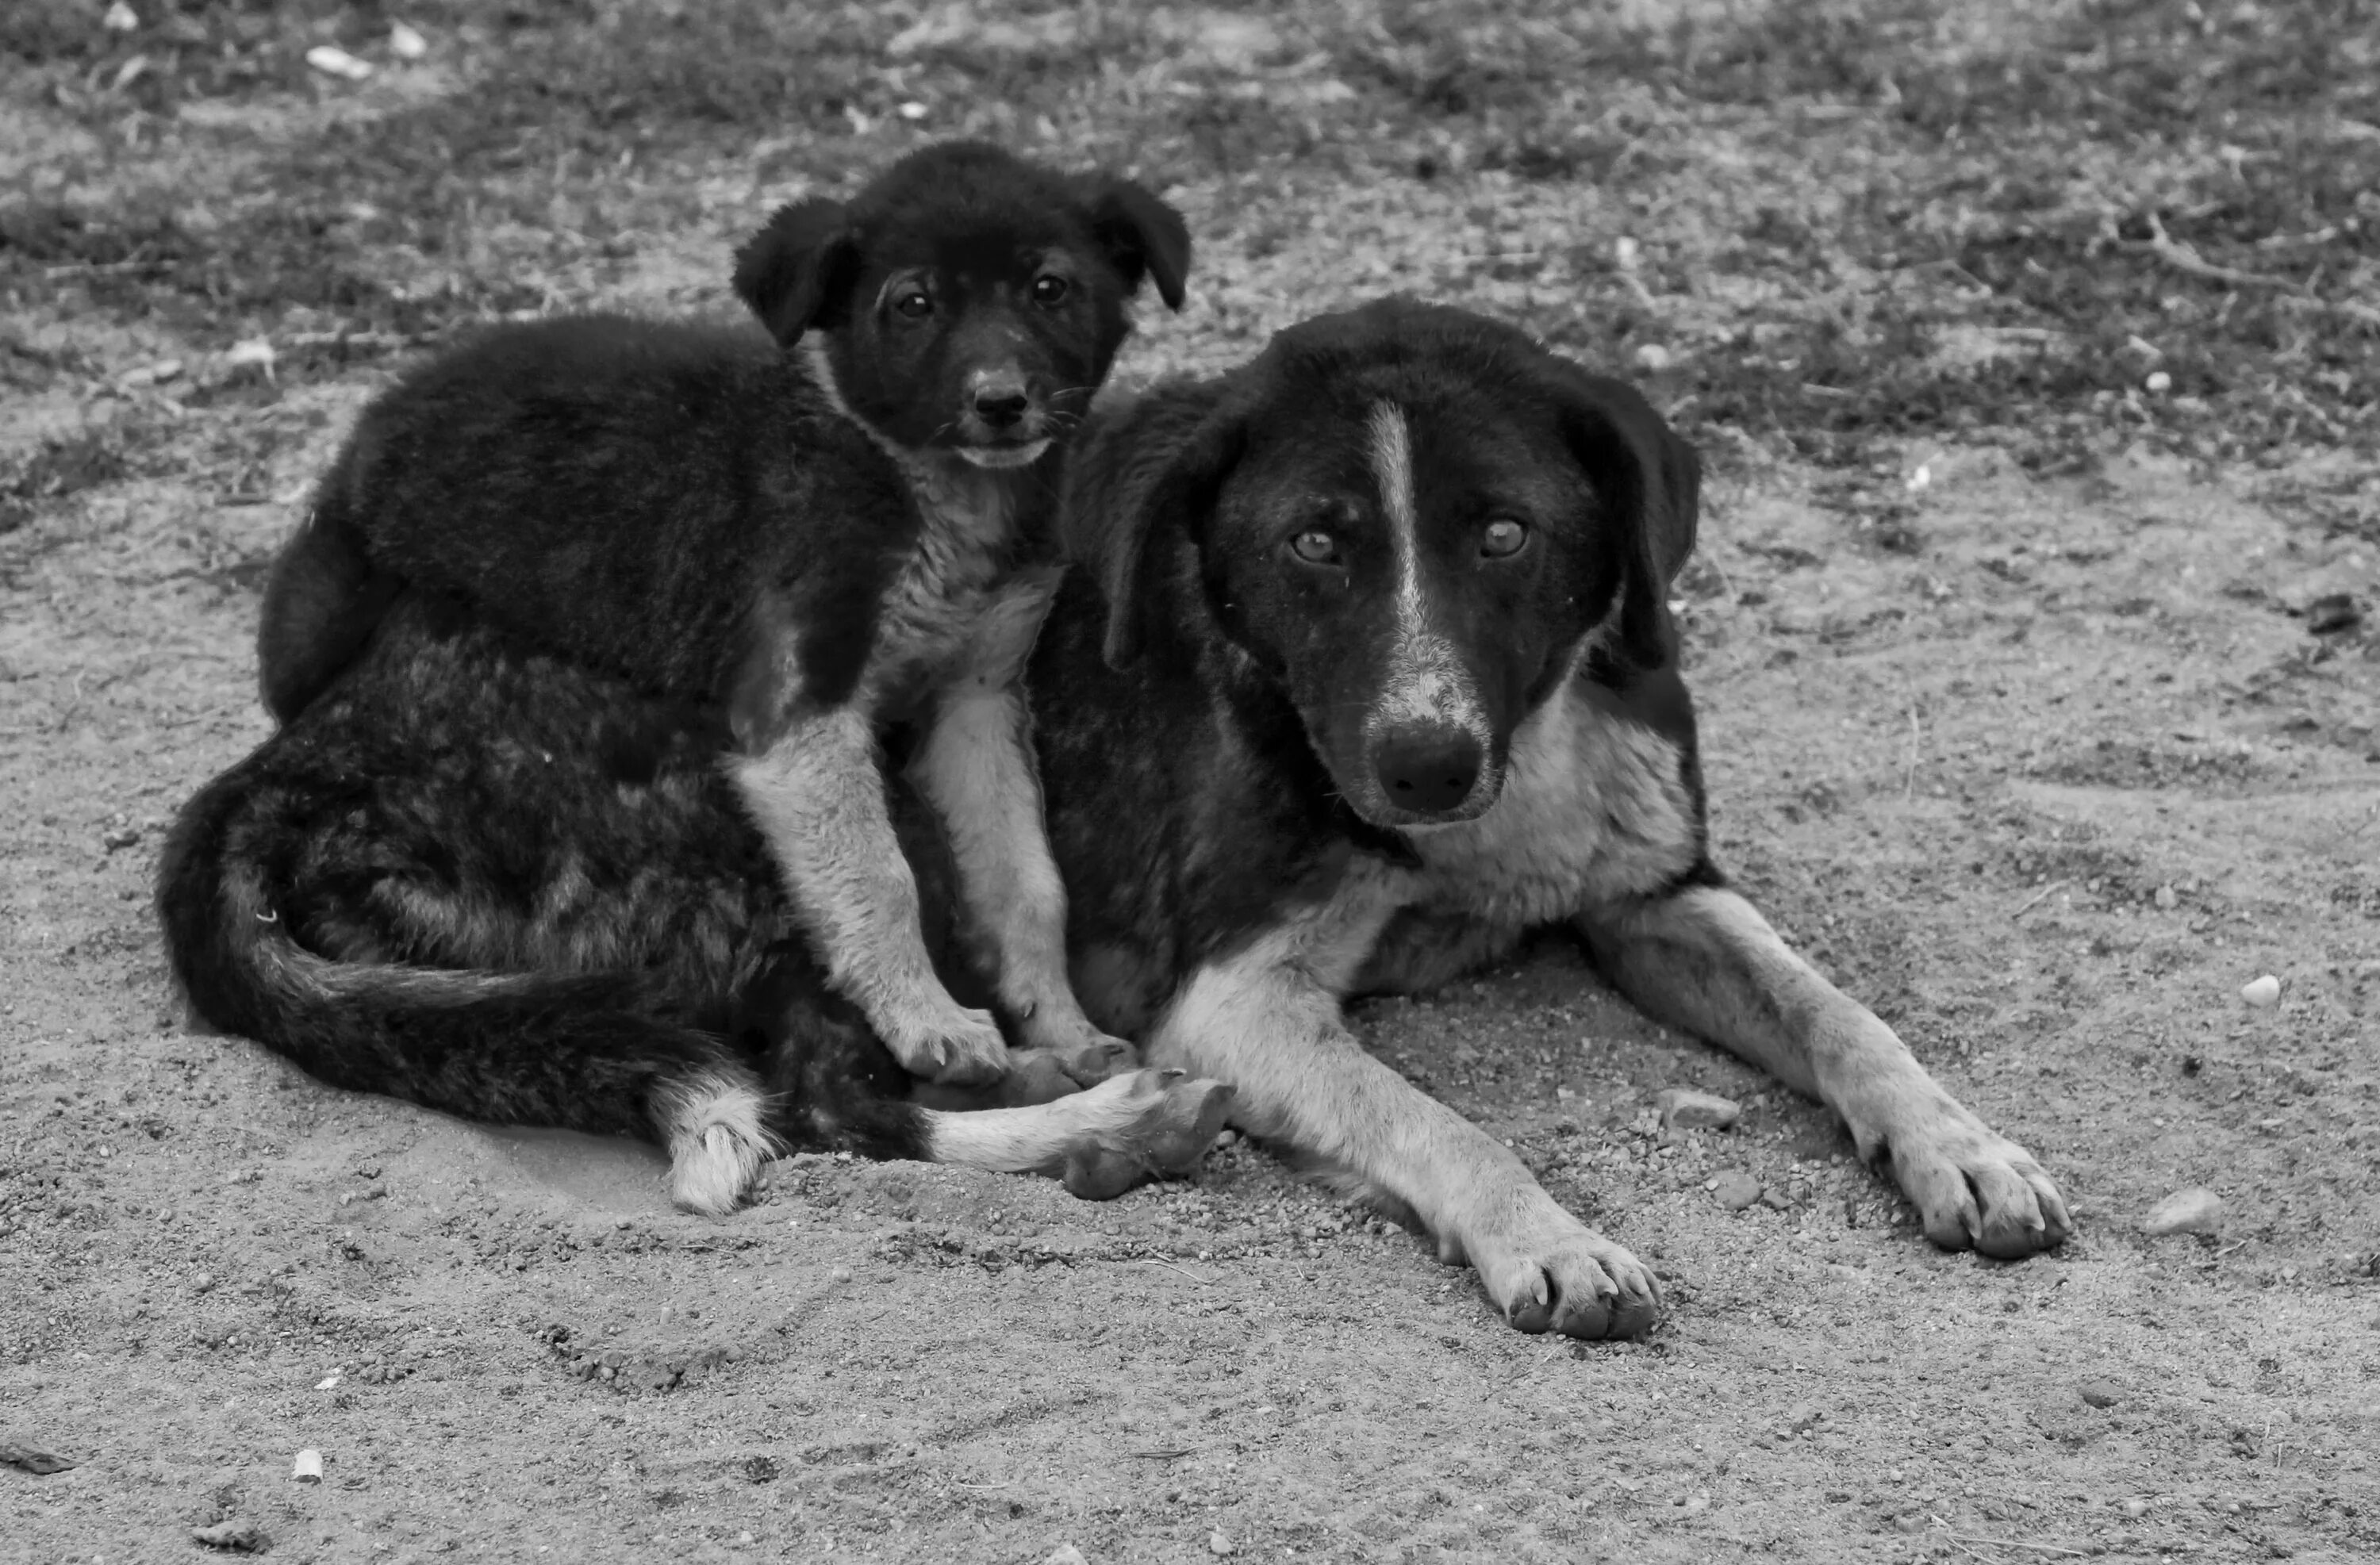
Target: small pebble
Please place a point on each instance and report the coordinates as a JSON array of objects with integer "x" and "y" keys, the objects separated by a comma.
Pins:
[
  {"x": 1653, "y": 356},
  {"x": 338, "y": 62},
  {"x": 1219, "y": 1543},
  {"x": 238, "y": 1537},
  {"x": 841, "y": 1274},
  {"x": 2194, "y": 1210},
  {"x": 2264, "y": 991},
  {"x": 2157, "y": 384},
  {"x": 407, "y": 43},
  {"x": 2167, "y": 898},
  {"x": 2101, "y": 1393},
  {"x": 1682, "y": 1108},
  {"x": 2134, "y": 1508},
  {"x": 1066, "y": 1554},
  {"x": 1736, "y": 1190},
  {"x": 308, "y": 1468}
]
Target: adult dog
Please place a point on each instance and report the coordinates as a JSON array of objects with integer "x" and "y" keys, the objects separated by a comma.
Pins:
[
  {"x": 819, "y": 545},
  {"x": 1385, "y": 677}
]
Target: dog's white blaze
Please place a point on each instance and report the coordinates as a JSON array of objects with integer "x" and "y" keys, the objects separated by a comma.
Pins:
[{"x": 1426, "y": 682}]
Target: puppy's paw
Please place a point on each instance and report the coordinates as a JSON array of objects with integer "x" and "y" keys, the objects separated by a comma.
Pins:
[
  {"x": 1101, "y": 1059},
  {"x": 1150, "y": 1124},
  {"x": 1547, "y": 1271},
  {"x": 1976, "y": 1189},
  {"x": 953, "y": 1043}
]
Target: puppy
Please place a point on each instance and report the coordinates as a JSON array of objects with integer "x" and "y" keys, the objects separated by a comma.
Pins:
[{"x": 845, "y": 530}]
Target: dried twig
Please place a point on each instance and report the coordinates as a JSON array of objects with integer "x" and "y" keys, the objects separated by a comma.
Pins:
[
  {"x": 2015, "y": 1543},
  {"x": 2035, "y": 901},
  {"x": 1201, "y": 1281},
  {"x": 2183, "y": 259}
]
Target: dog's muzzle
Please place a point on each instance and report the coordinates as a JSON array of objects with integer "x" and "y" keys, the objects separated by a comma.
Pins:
[{"x": 1001, "y": 423}]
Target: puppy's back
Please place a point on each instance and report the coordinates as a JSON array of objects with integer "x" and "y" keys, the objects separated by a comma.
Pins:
[{"x": 613, "y": 490}]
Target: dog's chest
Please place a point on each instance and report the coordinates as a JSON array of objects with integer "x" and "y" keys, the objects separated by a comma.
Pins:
[
  {"x": 936, "y": 607},
  {"x": 1594, "y": 806}
]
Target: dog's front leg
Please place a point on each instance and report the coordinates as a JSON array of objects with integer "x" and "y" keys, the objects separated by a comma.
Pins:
[
  {"x": 818, "y": 794},
  {"x": 1262, "y": 1023},
  {"x": 976, "y": 770},
  {"x": 1705, "y": 960}
]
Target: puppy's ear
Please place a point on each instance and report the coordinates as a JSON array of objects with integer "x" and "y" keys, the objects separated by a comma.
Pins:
[
  {"x": 1143, "y": 236},
  {"x": 1652, "y": 480},
  {"x": 798, "y": 272},
  {"x": 1138, "y": 486}
]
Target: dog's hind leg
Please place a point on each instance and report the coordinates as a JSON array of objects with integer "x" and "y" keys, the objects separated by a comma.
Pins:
[
  {"x": 1703, "y": 959},
  {"x": 976, "y": 770},
  {"x": 1101, "y": 1141}
]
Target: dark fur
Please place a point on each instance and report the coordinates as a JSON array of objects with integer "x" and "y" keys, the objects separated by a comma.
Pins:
[{"x": 488, "y": 881}]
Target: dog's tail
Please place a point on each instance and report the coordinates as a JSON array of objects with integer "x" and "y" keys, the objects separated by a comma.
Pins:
[{"x": 537, "y": 1049}]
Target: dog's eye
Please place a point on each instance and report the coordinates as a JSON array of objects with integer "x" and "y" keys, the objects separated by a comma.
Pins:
[
  {"x": 1050, "y": 289},
  {"x": 1315, "y": 547},
  {"x": 1502, "y": 539},
  {"x": 915, "y": 304}
]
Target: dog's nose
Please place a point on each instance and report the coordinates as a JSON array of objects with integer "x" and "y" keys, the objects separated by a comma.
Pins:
[
  {"x": 1428, "y": 771},
  {"x": 1000, "y": 403}
]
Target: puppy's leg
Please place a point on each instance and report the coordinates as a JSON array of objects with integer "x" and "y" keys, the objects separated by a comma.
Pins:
[
  {"x": 1267, "y": 1021},
  {"x": 818, "y": 795},
  {"x": 976, "y": 770},
  {"x": 1704, "y": 960}
]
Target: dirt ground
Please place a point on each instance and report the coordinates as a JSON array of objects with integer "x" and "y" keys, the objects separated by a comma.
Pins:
[{"x": 2033, "y": 629}]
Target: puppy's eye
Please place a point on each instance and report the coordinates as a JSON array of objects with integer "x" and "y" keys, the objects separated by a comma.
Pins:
[
  {"x": 914, "y": 305},
  {"x": 1315, "y": 547},
  {"x": 1050, "y": 288},
  {"x": 1502, "y": 539}
]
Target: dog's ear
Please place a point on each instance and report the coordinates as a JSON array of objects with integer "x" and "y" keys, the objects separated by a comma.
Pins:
[
  {"x": 797, "y": 272},
  {"x": 1652, "y": 480},
  {"x": 1137, "y": 487},
  {"x": 1143, "y": 236}
]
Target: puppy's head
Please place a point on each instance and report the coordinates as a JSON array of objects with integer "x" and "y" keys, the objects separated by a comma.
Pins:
[
  {"x": 1411, "y": 520},
  {"x": 967, "y": 302}
]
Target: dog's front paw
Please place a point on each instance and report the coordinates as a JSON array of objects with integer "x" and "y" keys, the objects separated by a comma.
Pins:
[
  {"x": 956, "y": 1045},
  {"x": 1547, "y": 1271},
  {"x": 1976, "y": 1189}
]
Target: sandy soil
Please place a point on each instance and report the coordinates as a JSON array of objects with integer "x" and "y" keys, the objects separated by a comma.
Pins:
[{"x": 2044, "y": 769}]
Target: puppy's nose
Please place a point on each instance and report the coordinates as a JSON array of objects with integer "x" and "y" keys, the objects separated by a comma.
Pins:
[
  {"x": 1000, "y": 402},
  {"x": 1430, "y": 770}
]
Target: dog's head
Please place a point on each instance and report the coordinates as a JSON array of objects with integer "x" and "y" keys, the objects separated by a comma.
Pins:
[
  {"x": 967, "y": 302},
  {"x": 1411, "y": 520}
]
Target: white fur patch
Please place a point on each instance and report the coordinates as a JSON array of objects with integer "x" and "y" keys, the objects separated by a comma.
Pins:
[
  {"x": 713, "y": 1126},
  {"x": 1003, "y": 456},
  {"x": 1594, "y": 807},
  {"x": 1426, "y": 683}
]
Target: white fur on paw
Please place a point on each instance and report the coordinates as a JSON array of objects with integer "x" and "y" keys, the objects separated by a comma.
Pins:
[
  {"x": 959, "y": 1046},
  {"x": 718, "y": 1141}
]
